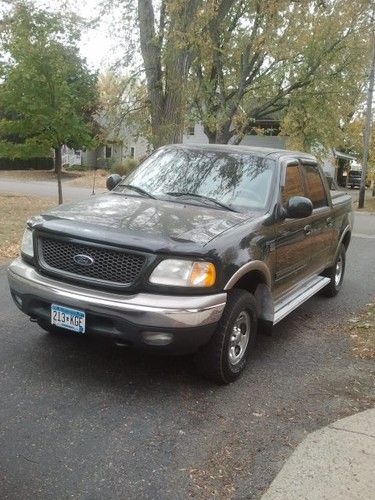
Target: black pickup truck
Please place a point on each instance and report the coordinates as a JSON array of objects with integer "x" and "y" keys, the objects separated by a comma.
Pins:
[{"x": 194, "y": 251}]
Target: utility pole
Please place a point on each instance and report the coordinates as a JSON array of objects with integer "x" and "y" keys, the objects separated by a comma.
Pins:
[{"x": 368, "y": 122}]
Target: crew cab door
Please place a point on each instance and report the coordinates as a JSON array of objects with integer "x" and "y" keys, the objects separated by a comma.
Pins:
[
  {"x": 293, "y": 241},
  {"x": 321, "y": 221}
]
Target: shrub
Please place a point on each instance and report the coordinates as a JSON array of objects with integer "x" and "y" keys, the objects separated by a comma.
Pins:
[
  {"x": 125, "y": 167},
  {"x": 106, "y": 163},
  {"x": 26, "y": 164}
]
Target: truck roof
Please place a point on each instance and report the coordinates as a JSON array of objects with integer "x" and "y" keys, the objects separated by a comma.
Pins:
[{"x": 254, "y": 150}]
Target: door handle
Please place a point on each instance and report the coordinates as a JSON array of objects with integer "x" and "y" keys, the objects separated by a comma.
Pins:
[
  {"x": 329, "y": 221},
  {"x": 307, "y": 229}
]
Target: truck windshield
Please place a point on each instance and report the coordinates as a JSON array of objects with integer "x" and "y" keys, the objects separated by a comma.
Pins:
[{"x": 234, "y": 179}]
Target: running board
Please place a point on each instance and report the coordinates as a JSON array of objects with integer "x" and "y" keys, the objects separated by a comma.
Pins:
[{"x": 298, "y": 296}]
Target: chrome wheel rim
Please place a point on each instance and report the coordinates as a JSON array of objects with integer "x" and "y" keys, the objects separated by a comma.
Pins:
[
  {"x": 239, "y": 338},
  {"x": 338, "y": 271}
]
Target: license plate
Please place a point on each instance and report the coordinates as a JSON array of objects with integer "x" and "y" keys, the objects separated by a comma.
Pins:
[{"x": 71, "y": 319}]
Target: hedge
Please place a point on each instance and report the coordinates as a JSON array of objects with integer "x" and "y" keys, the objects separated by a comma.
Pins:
[{"x": 29, "y": 164}]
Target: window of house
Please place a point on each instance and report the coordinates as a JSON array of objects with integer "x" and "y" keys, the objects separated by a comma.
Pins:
[
  {"x": 108, "y": 151},
  {"x": 315, "y": 186},
  {"x": 293, "y": 183},
  {"x": 191, "y": 129},
  {"x": 132, "y": 152}
]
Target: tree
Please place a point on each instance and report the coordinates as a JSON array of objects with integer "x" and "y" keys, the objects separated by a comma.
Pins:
[
  {"x": 265, "y": 58},
  {"x": 368, "y": 116},
  {"x": 167, "y": 59},
  {"x": 229, "y": 63},
  {"x": 48, "y": 93},
  {"x": 122, "y": 105}
]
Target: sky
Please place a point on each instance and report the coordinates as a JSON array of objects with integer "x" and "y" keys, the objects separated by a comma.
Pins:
[{"x": 96, "y": 45}]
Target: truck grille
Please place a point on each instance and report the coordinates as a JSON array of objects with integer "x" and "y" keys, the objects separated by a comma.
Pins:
[{"x": 109, "y": 266}]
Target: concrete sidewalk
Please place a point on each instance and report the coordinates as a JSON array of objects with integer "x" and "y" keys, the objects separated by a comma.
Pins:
[{"x": 336, "y": 462}]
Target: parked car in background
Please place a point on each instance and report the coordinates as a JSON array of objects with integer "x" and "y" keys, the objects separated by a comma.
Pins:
[
  {"x": 192, "y": 252},
  {"x": 354, "y": 179}
]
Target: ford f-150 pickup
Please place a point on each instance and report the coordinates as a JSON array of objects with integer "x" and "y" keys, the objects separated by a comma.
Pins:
[{"x": 192, "y": 252}]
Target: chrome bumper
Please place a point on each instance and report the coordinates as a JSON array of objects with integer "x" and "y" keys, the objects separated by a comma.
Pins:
[{"x": 148, "y": 310}]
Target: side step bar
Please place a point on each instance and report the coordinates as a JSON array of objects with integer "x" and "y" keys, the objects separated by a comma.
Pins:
[{"x": 298, "y": 296}]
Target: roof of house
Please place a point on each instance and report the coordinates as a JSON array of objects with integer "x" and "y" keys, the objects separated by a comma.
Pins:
[{"x": 343, "y": 156}]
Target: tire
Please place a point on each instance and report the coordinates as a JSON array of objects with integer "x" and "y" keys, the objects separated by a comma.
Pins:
[
  {"x": 334, "y": 286},
  {"x": 224, "y": 358}
]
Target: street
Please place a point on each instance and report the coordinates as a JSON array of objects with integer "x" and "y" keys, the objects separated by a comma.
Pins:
[
  {"x": 42, "y": 188},
  {"x": 85, "y": 419}
]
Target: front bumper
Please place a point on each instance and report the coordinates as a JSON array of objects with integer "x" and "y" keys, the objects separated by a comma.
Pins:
[{"x": 190, "y": 320}]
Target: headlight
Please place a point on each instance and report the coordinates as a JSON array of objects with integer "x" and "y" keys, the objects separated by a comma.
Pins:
[
  {"x": 27, "y": 246},
  {"x": 176, "y": 272}
]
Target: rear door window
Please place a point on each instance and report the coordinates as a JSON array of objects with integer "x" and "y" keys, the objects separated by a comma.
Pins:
[{"x": 315, "y": 187}]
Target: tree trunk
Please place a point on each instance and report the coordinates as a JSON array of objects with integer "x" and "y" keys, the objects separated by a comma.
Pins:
[
  {"x": 58, "y": 167},
  {"x": 166, "y": 66},
  {"x": 224, "y": 133},
  {"x": 368, "y": 119},
  {"x": 211, "y": 137}
]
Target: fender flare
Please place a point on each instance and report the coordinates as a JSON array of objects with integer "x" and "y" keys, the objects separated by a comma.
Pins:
[
  {"x": 344, "y": 233},
  {"x": 254, "y": 265},
  {"x": 262, "y": 294}
]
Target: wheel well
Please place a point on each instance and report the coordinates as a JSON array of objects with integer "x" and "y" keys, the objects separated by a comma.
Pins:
[
  {"x": 250, "y": 281},
  {"x": 346, "y": 240},
  {"x": 256, "y": 283}
]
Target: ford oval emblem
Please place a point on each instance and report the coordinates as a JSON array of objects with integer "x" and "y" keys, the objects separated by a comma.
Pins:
[{"x": 83, "y": 260}]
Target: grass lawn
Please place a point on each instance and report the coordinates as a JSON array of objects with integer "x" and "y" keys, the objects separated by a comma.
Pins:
[
  {"x": 72, "y": 179},
  {"x": 14, "y": 212},
  {"x": 362, "y": 332}
]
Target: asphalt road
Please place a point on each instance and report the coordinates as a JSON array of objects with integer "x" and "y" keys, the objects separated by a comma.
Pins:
[
  {"x": 42, "y": 188},
  {"x": 88, "y": 420}
]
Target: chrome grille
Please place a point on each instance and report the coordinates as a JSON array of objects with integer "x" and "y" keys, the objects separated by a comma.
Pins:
[{"x": 110, "y": 266}]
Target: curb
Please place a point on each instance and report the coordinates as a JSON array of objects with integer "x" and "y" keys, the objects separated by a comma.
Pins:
[
  {"x": 335, "y": 462},
  {"x": 357, "y": 212}
]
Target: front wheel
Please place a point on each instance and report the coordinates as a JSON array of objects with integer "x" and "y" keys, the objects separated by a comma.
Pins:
[
  {"x": 336, "y": 274},
  {"x": 224, "y": 357}
]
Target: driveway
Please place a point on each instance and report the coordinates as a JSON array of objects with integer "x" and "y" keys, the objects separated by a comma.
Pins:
[{"x": 89, "y": 420}]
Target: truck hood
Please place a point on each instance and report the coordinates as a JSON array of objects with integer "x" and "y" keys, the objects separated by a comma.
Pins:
[{"x": 140, "y": 222}]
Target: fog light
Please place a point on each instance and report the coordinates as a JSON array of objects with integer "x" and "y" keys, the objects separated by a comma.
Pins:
[
  {"x": 157, "y": 338},
  {"x": 18, "y": 300}
]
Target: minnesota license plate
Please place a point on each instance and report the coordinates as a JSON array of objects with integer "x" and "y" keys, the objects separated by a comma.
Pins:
[{"x": 71, "y": 319}]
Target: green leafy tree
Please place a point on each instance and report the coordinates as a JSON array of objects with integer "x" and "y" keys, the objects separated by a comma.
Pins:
[
  {"x": 122, "y": 106},
  {"x": 48, "y": 94},
  {"x": 229, "y": 63},
  {"x": 268, "y": 58}
]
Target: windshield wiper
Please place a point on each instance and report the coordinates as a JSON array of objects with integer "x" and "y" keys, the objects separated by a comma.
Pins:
[
  {"x": 138, "y": 190},
  {"x": 203, "y": 198}
]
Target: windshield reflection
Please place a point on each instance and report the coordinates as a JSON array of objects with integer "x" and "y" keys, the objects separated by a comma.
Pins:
[{"x": 236, "y": 179}]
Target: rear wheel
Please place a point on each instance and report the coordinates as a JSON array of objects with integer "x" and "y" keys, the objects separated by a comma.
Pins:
[
  {"x": 336, "y": 274},
  {"x": 224, "y": 357}
]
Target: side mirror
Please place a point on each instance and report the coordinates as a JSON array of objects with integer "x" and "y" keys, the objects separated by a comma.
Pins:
[
  {"x": 112, "y": 181},
  {"x": 298, "y": 207}
]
